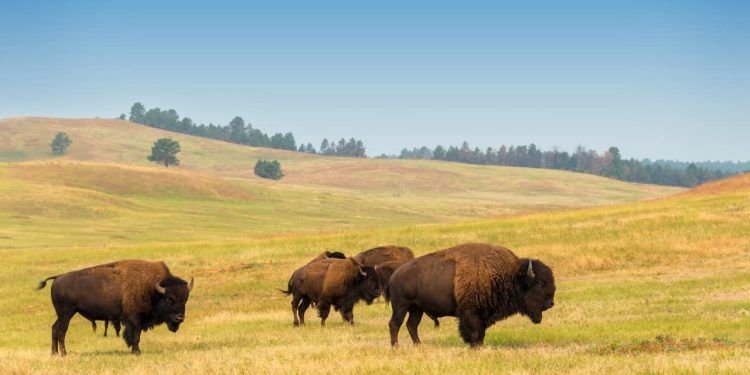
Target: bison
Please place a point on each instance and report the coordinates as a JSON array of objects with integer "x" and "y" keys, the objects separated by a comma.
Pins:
[
  {"x": 385, "y": 270},
  {"x": 340, "y": 283},
  {"x": 383, "y": 254},
  {"x": 138, "y": 293},
  {"x": 479, "y": 284}
]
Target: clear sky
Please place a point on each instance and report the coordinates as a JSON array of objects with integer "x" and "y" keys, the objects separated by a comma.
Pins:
[{"x": 659, "y": 79}]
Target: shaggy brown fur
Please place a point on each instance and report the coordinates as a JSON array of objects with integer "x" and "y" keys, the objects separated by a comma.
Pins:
[
  {"x": 478, "y": 283},
  {"x": 383, "y": 254},
  {"x": 479, "y": 269},
  {"x": 124, "y": 291},
  {"x": 331, "y": 282}
]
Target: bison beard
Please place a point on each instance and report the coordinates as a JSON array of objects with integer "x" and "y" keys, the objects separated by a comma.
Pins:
[
  {"x": 139, "y": 294},
  {"x": 478, "y": 283}
]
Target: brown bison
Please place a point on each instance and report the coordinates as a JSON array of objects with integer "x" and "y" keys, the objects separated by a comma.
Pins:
[
  {"x": 478, "y": 283},
  {"x": 385, "y": 270},
  {"x": 138, "y": 293},
  {"x": 383, "y": 254},
  {"x": 340, "y": 283}
]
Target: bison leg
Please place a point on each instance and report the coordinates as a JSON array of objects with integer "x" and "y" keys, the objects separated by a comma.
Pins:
[
  {"x": 93, "y": 325},
  {"x": 412, "y": 324},
  {"x": 106, "y": 327},
  {"x": 323, "y": 310},
  {"x": 348, "y": 316},
  {"x": 132, "y": 336},
  {"x": 472, "y": 329},
  {"x": 397, "y": 318},
  {"x": 116, "y": 324},
  {"x": 54, "y": 336},
  {"x": 302, "y": 308},
  {"x": 295, "y": 302},
  {"x": 60, "y": 328}
]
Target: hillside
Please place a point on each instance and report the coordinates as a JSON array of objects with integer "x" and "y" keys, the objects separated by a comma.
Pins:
[
  {"x": 646, "y": 287},
  {"x": 112, "y": 195}
]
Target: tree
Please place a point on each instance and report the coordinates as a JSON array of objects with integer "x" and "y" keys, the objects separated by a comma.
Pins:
[
  {"x": 270, "y": 169},
  {"x": 237, "y": 130},
  {"x": 165, "y": 151},
  {"x": 122, "y": 116},
  {"x": 60, "y": 143},
  {"x": 137, "y": 111}
]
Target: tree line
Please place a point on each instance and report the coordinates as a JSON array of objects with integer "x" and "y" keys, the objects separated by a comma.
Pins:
[
  {"x": 609, "y": 163},
  {"x": 237, "y": 131}
]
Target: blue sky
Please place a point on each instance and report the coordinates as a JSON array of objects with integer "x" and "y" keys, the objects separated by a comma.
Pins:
[{"x": 659, "y": 79}]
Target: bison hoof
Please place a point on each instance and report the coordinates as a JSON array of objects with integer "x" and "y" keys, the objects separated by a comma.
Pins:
[{"x": 136, "y": 352}]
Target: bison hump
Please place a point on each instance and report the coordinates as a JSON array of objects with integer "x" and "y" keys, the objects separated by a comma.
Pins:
[{"x": 481, "y": 271}]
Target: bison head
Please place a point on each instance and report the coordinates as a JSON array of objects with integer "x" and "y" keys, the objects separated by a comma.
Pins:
[
  {"x": 366, "y": 283},
  {"x": 536, "y": 289},
  {"x": 170, "y": 299}
]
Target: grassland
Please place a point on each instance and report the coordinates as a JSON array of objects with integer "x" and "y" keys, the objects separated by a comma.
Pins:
[
  {"x": 653, "y": 287},
  {"x": 103, "y": 192}
]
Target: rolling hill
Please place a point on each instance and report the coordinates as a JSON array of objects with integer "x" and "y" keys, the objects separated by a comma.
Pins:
[{"x": 109, "y": 191}]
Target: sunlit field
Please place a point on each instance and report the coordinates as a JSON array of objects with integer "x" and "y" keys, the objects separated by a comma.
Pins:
[{"x": 656, "y": 286}]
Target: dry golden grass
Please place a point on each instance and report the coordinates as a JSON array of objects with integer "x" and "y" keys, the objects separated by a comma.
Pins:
[{"x": 650, "y": 287}]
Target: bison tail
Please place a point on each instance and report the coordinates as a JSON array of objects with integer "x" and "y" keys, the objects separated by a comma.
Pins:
[
  {"x": 288, "y": 290},
  {"x": 43, "y": 283}
]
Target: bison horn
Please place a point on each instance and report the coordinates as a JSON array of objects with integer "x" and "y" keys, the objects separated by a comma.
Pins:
[
  {"x": 362, "y": 273},
  {"x": 160, "y": 289},
  {"x": 530, "y": 271},
  {"x": 190, "y": 286}
]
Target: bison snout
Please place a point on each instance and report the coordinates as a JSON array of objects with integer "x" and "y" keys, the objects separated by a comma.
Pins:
[{"x": 180, "y": 318}]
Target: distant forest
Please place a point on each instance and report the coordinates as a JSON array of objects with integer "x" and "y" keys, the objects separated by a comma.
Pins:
[
  {"x": 608, "y": 164},
  {"x": 726, "y": 166},
  {"x": 240, "y": 132}
]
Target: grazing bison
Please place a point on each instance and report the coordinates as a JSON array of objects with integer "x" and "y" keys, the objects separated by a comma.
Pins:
[
  {"x": 383, "y": 254},
  {"x": 385, "y": 270},
  {"x": 138, "y": 293},
  {"x": 331, "y": 282},
  {"x": 478, "y": 283},
  {"x": 115, "y": 323}
]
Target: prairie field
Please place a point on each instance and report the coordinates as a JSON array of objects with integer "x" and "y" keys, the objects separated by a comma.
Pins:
[
  {"x": 661, "y": 286},
  {"x": 650, "y": 279}
]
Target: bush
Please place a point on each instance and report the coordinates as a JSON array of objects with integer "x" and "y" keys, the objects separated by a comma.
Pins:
[{"x": 269, "y": 169}]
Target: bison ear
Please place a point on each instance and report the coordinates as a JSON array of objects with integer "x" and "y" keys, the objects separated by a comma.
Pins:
[
  {"x": 159, "y": 289},
  {"x": 190, "y": 286}
]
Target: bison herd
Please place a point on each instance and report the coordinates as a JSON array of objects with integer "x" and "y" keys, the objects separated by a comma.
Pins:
[{"x": 479, "y": 284}]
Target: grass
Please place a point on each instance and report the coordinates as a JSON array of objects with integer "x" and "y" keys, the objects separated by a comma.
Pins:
[
  {"x": 651, "y": 287},
  {"x": 104, "y": 192}
]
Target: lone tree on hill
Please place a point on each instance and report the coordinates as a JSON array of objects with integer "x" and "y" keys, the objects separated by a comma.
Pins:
[
  {"x": 165, "y": 151},
  {"x": 269, "y": 169},
  {"x": 60, "y": 143}
]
